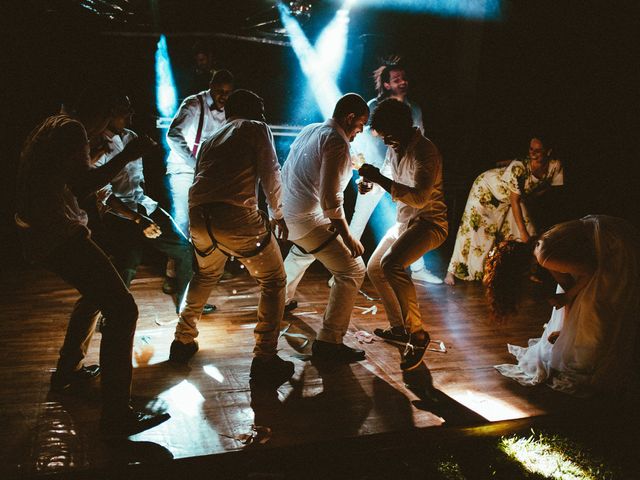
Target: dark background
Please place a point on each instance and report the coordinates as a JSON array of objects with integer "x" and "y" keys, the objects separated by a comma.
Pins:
[{"x": 565, "y": 68}]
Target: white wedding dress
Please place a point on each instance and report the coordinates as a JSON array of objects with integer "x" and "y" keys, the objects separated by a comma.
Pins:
[{"x": 596, "y": 348}]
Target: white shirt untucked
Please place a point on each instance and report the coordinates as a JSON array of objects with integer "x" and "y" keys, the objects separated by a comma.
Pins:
[
  {"x": 417, "y": 182},
  {"x": 314, "y": 177},
  {"x": 231, "y": 164}
]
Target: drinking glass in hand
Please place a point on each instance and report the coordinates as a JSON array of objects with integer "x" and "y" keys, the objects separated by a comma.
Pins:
[{"x": 357, "y": 161}]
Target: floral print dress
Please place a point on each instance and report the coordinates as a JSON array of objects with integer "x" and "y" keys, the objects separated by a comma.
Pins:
[{"x": 487, "y": 217}]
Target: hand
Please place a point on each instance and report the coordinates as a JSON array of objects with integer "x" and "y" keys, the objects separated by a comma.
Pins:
[
  {"x": 354, "y": 245},
  {"x": 148, "y": 227},
  {"x": 279, "y": 228},
  {"x": 364, "y": 186},
  {"x": 138, "y": 147},
  {"x": 553, "y": 336},
  {"x": 559, "y": 300},
  {"x": 370, "y": 173}
]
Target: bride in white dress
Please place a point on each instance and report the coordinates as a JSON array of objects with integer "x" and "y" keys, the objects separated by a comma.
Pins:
[{"x": 591, "y": 340}]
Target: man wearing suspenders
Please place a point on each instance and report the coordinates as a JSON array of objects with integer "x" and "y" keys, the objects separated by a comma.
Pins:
[
  {"x": 314, "y": 177},
  {"x": 225, "y": 222},
  {"x": 198, "y": 117}
]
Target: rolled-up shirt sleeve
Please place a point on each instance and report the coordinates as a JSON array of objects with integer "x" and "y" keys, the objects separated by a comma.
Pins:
[
  {"x": 424, "y": 176},
  {"x": 268, "y": 170},
  {"x": 188, "y": 111},
  {"x": 335, "y": 158}
]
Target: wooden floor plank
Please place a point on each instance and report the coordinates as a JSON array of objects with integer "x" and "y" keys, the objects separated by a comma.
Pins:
[{"x": 212, "y": 406}]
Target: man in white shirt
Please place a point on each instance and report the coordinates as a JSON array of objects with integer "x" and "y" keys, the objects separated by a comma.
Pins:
[
  {"x": 421, "y": 223},
  {"x": 315, "y": 175},
  {"x": 391, "y": 82},
  {"x": 225, "y": 221},
  {"x": 198, "y": 117},
  {"x": 132, "y": 219}
]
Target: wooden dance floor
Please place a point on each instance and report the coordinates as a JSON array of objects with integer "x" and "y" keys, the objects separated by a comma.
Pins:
[{"x": 214, "y": 412}]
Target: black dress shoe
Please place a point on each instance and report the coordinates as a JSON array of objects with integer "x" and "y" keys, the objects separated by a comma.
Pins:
[
  {"x": 414, "y": 352},
  {"x": 130, "y": 423},
  {"x": 61, "y": 381},
  {"x": 291, "y": 305},
  {"x": 208, "y": 308},
  {"x": 394, "y": 334},
  {"x": 270, "y": 372},
  {"x": 182, "y": 352},
  {"x": 335, "y": 352}
]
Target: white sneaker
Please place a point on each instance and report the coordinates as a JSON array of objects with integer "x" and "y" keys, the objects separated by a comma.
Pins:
[{"x": 424, "y": 275}]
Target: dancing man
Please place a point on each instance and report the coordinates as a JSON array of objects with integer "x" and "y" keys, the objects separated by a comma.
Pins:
[
  {"x": 315, "y": 175},
  {"x": 225, "y": 221},
  {"x": 198, "y": 117},
  {"x": 391, "y": 82},
  {"x": 421, "y": 223},
  {"x": 54, "y": 173},
  {"x": 132, "y": 219}
]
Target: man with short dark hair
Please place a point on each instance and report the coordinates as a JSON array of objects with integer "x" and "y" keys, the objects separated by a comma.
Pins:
[
  {"x": 315, "y": 175},
  {"x": 198, "y": 117},
  {"x": 225, "y": 221},
  {"x": 421, "y": 223},
  {"x": 391, "y": 81}
]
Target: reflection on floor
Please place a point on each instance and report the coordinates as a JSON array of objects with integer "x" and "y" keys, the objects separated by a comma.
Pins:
[{"x": 214, "y": 410}]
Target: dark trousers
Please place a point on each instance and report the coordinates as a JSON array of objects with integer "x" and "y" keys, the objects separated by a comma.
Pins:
[
  {"x": 82, "y": 264},
  {"x": 129, "y": 242}
]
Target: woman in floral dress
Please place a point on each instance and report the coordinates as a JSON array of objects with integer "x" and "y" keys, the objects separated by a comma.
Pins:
[{"x": 495, "y": 209}]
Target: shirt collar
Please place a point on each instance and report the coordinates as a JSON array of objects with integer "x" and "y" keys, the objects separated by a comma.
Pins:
[{"x": 330, "y": 122}]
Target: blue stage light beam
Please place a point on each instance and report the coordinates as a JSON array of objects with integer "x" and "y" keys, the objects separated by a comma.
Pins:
[
  {"x": 322, "y": 84},
  {"x": 471, "y": 9},
  {"x": 166, "y": 95},
  {"x": 331, "y": 45},
  {"x": 331, "y": 49}
]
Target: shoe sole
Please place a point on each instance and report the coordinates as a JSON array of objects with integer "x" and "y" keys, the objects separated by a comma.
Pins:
[{"x": 141, "y": 427}]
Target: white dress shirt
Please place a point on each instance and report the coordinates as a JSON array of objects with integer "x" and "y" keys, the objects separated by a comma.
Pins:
[
  {"x": 314, "y": 177},
  {"x": 232, "y": 162},
  {"x": 417, "y": 182},
  {"x": 182, "y": 132},
  {"x": 127, "y": 185}
]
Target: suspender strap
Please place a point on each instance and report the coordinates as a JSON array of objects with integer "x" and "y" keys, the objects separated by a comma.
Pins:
[
  {"x": 200, "y": 124},
  {"x": 321, "y": 246},
  {"x": 227, "y": 251}
]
